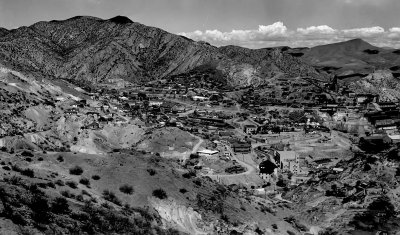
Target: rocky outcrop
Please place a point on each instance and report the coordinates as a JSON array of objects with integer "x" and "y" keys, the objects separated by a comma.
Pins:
[{"x": 181, "y": 217}]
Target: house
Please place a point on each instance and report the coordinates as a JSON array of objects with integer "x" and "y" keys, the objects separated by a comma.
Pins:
[
  {"x": 199, "y": 98},
  {"x": 208, "y": 154},
  {"x": 72, "y": 111},
  {"x": 288, "y": 161},
  {"x": 241, "y": 147},
  {"x": 155, "y": 103},
  {"x": 250, "y": 129}
]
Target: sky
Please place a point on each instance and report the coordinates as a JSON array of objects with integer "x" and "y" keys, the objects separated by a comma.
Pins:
[{"x": 248, "y": 23}]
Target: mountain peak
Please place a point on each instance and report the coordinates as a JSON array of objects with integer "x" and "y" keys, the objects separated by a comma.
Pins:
[{"x": 121, "y": 20}]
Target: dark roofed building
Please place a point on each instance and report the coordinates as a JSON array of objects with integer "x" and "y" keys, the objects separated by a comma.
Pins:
[{"x": 241, "y": 147}]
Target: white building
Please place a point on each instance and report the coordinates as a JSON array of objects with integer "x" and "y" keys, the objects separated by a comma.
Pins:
[{"x": 208, "y": 154}]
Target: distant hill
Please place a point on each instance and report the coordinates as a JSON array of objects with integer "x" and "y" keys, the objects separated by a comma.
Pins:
[
  {"x": 353, "y": 56},
  {"x": 105, "y": 51}
]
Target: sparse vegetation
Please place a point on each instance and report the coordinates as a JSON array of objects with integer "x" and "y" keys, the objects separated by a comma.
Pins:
[
  {"x": 110, "y": 196},
  {"x": 77, "y": 170},
  {"x": 28, "y": 172},
  {"x": 160, "y": 193},
  {"x": 95, "y": 177},
  {"x": 72, "y": 184},
  {"x": 151, "y": 171},
  {"x": 85, "y": 181},
  {"x": 127, "y": 189}
]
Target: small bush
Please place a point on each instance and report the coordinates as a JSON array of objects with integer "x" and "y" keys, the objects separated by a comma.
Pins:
[
  {"x": 42, "y": 185},
  {"x": 160, "y": 193},
  {"x": 79, "y": 198},
  {"x": 77, "y": 170},
  {"x": 59, "y": 183},
  {"x": 60, "y": 206},
  {"x": 28, "y": 172},
  {"x": 16, "y": 168},
  {"x": 60, "y": 159},
  {"x": 72, "y": 184},
  {"x": 28, "y": 159},
  {"x": 40, "y": 159},
  {"x": 26, "y": 154},
  {"x": 51, "y": 185},
  {"x": 183, "y": 190},
  {"x": 110, "y": 196},
  {"x": 197, "y": 182},
  {"x": 85, "y": 181},
  {"x": 151, "y": 171},
  {"x": 189, "y": 174},
  {"x": 127, "y": 189},
  {"x": 95, "y": 177},
  {"x": 68, "y": 194},
  {"x": 7, "y": 168}
]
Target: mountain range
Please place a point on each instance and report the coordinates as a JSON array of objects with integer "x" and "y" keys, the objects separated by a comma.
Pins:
[
  {"x": 107, "y": 50},
  {"x": 118, "y": 49}
]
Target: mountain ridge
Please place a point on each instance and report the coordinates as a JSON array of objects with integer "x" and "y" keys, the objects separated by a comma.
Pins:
[{"x": 119, "y": 49}]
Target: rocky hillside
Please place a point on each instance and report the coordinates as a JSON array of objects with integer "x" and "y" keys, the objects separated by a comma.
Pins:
[
  {"x": 100, "y": 50},
  {"x": 353, "y": 56}
]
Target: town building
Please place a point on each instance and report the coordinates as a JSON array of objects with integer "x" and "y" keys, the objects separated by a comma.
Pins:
[
  {"x": 288, "y": 161},
  {"x": 208, "y": 154},
  {"x": 250, "y": 129},
  {"x": 241, "y": 147}
]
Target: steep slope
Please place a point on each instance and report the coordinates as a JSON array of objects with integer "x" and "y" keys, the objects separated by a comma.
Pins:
[
  {"x": 354, "y": 56},
  {"x": 3, "y": 32},
  {"x": 270, "y": 61},
  {"x": 105, "y": 51}
]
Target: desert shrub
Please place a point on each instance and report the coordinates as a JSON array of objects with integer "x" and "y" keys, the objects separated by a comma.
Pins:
[
  {"x": 72, "y": 184},
  {"x": 14, "y": 180},
  {"x": 197, "y": 182},
  {"x": 76, "y": 170},
  {"x": 40, "y": 159},
  {"x": 274, "y": 226},
  {"x": 189, "y": 174},
  {"x": 60, "y": 158},
  {"x": 28, "y": 159},
  {"x": 16, "y": 168},
  {"x": 51, "y": 185},
  {"x": 110, "y": 196},
  {"x": 7, "y": 168},
  {"x": 28, "y": 172},
  {"x": 85, "y": 181},
  {"x": 194, "y": 156},
  {"x": 59, "y": 183},
  {"x": 26, "y": 154},
  {"x": 127, "y": 189},
  {"x": 160, "y": 193},
  {"x": 151, "y": 171},
  {"x": 84, "y": 192},
  {"x": 183, "y": 190},
  {"x": 60, "y": 206},
  {"x": 79, "y": 198},
  {"x": 67, "y": 193},
  {"x": 42, "y": 185},
  {"x": 95, "y": 177}
]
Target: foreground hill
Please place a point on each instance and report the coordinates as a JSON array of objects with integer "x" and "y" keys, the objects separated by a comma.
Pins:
[
  {"x": 118, "y": 49},
  {"x": 354, "y": 56}
]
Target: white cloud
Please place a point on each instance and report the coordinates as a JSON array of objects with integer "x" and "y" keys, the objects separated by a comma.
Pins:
[
  {"x": 322, "y": 29},
  {"x": 277, "y": 34},
  {"x": 364, "y": 32}
]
